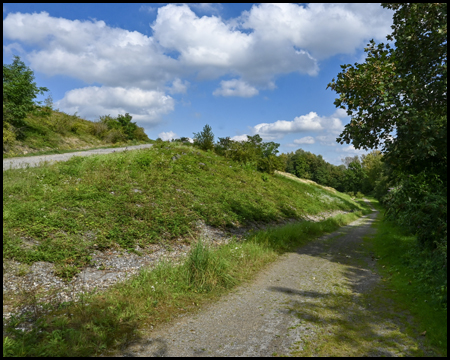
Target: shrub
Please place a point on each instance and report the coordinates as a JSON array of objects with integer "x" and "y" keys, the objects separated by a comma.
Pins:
[
  {"x": 419, "y": 202},
  {"x": 9, "y": 136},
  {"x": 114, "y": 136},
  {"x": 139, "y": 134},
  {"x": 270, "y": 164},
  {"x": 98, "y": 129},
  {"x": 359, "y": 195}
]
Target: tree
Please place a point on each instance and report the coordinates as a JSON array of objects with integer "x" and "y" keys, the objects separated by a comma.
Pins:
[
  {"x": 204, "y": 139},
  {"x": 354, "y": 177},
  {"x": 398, "y": 98},
  {"x": 19, "y": 92},
  {"x": 373, "y": 167}
]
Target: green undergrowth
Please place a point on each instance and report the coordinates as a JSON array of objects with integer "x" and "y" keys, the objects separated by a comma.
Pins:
[
  {"x": 106, "y": 322},
  {"x": 60, "y": 213},
  {"x": 412, "y": 280},
  {"x": 48, "y": 132}
]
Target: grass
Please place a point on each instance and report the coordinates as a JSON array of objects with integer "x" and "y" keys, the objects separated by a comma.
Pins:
[
  {"x": 58, "y": 133},
  {"x": 141, "y": 197},
  {"x": 103, "y": 323},
  {"x": 406, "y": 285}
]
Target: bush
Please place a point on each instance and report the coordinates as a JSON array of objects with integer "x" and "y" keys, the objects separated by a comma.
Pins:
[
  {"x": 419, "y": 202},
  {"x": 359, "y": 195},
  {"x": 98, "y": 129},
  {"x": 270, "y": 164},
  {"x": 114, "y": 136},
  {"x": 63, "y": 123},
  {"x": 9, "y": 136}
]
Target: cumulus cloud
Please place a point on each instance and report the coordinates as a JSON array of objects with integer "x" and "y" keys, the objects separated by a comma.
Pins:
[
  {"x": 169, "y": 135},
  {"x": 235, "y": 87},
  {"x": 91, "y": 51},
  {"x": 309, "y": 122},
  {"x": 323, "y": 30},
  {"x": 307, "y": 140},
  {"x": 144, "y": 105}
]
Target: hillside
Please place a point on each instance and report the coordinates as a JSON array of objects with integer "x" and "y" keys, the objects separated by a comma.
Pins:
[
  {"x": 50, "y": 131},
  {"x": 143, "y": 197}
]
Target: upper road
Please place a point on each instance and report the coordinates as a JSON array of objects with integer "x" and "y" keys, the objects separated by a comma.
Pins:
[{"x": 32, "y": 161}]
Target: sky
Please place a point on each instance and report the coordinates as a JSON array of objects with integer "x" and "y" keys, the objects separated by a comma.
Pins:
[{"x": 243, "y": 69}]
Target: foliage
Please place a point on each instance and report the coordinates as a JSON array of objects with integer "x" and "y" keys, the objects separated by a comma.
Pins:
[
  {"x": 395, "y": 89},
  {"x": 204, "y": 139},
  {"x": 120, "y": 129},
  {"x": 398, "y": 101},
  {"x": 19, "y": 91},
  {"x": 419, "y": 202},
  {"x": 373, "y": 167},
  {"x": 354, "y": 176}
]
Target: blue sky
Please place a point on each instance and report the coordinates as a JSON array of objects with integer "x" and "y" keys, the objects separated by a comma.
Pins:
[{"x": 241, "y": 68}]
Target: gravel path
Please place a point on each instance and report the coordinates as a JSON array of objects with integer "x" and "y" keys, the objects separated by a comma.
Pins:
[
  {"x": 33, "y": 161},
  {"x": 294, "y": 301}
]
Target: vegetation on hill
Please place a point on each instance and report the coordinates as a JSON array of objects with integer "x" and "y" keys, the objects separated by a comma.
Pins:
[
  {"x": 142, "y": 197},
  {"x": 30, "y": 127}
]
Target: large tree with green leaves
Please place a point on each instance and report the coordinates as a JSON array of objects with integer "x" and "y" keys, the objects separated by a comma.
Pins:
[
  {"x": 19, "y": 92},
  {"x": 397, "y": 99}
]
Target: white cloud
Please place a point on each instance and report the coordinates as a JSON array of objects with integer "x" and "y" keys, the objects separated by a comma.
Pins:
[
  {"x": 235, "y": 87},
  {"x": 304, "y": 140},
  {"x": 178, "y": 86},
  {"x": 169, "y": 135},
  {"x": 309, "y": 122},
  {"x": 146, "y": 106},
  {"x": 323, "y": 30},
  {"x": 213, "y": 48},
  {"x": 91, "y": 51},
  {"x": 147, "y": 8},
  {"x": 240, "y": 138}
]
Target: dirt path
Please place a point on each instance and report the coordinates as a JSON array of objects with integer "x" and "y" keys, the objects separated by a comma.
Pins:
[
  {"x": 33, "y": 161},
  {"x": 312, "y": 302}
]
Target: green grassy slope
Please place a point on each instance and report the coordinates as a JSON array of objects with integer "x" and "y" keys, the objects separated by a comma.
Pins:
[
  {"x": 57, "y": 133},
  {"x": 141, "y": 197}
]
